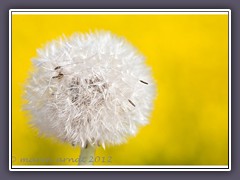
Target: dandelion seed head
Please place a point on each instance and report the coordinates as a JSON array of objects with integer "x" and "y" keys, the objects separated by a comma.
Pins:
[{"x": 90, "y": 88}]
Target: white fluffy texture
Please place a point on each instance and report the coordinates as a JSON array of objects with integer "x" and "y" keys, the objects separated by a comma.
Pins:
[{"x": 90, "y": 89}]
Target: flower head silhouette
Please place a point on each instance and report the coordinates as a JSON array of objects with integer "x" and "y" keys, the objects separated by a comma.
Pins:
[{"x": 90, "y": 89}]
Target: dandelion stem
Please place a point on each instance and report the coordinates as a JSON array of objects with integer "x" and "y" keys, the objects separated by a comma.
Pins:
[{"x": 87, "y": 155}]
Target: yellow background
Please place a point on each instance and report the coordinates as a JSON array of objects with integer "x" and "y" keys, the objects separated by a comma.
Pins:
[{"x": 189, "y": 58}]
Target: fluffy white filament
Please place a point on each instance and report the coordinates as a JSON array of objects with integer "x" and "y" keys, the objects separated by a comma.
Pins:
[{"x": 90, "y": 89}]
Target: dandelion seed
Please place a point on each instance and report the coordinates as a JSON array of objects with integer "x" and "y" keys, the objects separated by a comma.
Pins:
[
  {"x": 58, "y": 67},
  {"x": 131, "y": 103},
  {"x": 143, "y": 82}
]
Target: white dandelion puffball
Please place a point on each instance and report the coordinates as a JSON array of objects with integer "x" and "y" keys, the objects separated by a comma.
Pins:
[{"x": 90, "y": 89}]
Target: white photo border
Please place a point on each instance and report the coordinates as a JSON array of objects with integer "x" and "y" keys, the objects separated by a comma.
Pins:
[{"x": 113, "y": 167}]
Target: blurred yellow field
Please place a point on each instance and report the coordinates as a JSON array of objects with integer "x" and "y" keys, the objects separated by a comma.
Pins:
[{"x": 188, "y": 55}]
